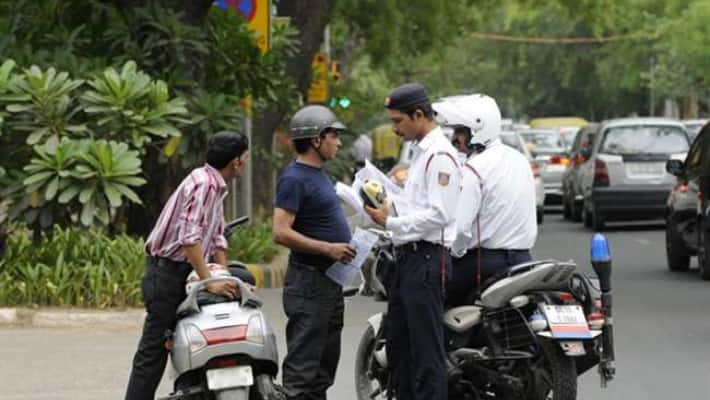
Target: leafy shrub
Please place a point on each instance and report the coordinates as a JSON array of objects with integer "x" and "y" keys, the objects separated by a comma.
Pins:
[
  {"x": 88, "y": 268},
  {"x": 73, "y": 267},
  {"x": 253, "y": 244}
]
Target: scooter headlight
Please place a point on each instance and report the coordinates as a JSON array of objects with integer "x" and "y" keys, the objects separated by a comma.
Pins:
[
  {"x": 255, "y": 330},
  {"x": 195, "y": 339}
]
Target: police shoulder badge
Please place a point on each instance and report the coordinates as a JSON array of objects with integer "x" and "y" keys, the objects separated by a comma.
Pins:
[{"x": 444, "y": 179}]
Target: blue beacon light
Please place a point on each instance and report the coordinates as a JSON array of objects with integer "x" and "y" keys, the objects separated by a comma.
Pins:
[{"x": 600, "y": 249}]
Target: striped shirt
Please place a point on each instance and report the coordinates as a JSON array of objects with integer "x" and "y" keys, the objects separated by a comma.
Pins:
[{"x": 194, "y": 213}]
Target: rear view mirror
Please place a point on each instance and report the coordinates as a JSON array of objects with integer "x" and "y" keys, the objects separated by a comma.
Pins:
[{"x": 675, "y": 167}]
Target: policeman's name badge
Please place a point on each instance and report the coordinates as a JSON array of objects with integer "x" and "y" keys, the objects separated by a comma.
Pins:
[{"x": 444, "y": 179}]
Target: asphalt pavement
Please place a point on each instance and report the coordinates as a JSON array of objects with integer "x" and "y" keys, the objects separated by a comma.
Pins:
[{"x": 662, "y": 331}]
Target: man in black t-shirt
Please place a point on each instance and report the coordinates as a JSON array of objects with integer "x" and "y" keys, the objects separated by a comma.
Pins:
[{"x": 309, "y": 220}]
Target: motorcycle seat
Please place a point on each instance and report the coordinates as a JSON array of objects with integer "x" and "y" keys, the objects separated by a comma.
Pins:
[{"x": 240, "y": 271}]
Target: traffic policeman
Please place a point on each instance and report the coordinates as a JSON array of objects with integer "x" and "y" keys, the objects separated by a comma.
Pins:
[
  {"x": 496, "y": 225},
  {"x": 422, "y": 234},
  {"x": 309, "y": 220}
]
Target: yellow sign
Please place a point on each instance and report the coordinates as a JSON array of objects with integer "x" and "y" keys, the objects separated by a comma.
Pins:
[
  {"x": 259, "y": 23},
  {"x": 257, "y": 13},
  {"x": 318, "y": 91}
]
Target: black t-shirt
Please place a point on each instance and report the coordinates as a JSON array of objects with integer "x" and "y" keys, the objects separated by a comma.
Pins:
[{"x": 307, "y": 192}]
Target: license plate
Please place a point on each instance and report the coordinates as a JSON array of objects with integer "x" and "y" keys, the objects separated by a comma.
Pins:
[
  {"x": 224, "y": 378},
  {"x": 567, "y": 322},
  {"x": 645, "y": 168}
]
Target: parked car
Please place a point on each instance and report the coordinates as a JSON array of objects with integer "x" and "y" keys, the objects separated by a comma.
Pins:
[
  {"x": 693, "y": 126},
  {"x": 572, "y": 196},
  {"x": 625, "y": 178},
  {"x": 514, "y": 140},
  {"x": 549, "y": 150},
  {"x": 687, "y": 219}
]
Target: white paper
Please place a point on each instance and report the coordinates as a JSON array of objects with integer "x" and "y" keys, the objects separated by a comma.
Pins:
[
  {"x": 344, "y": 273},
  {"x": 349, "y": 196}
]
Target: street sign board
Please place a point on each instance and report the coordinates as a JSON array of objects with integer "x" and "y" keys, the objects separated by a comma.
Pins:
[
  {"x": 318, "y": 91},
  {"x": 257, "y": 13}
]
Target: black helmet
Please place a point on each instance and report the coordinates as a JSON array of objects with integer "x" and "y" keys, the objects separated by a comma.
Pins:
[{"x": 311, "y": 120}]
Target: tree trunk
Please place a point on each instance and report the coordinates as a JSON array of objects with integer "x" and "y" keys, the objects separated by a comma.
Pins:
[{"x": 310, "y": 18}]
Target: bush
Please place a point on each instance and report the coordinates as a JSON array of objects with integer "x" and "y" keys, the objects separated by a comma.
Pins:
[
  {"x": 88, "y": 268},
  {"x": 253, "y": 244},
  {"x": 72, "y": 267}
]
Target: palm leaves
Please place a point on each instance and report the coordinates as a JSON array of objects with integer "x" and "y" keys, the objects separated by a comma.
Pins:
[
  {"x": 50, "y": 109},
  {"x": 72, "y": 177},
  {"x": 94, "y": 176},
  {"x": 131, "y": 107}
]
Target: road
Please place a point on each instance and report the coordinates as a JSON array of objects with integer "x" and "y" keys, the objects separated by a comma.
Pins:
[{"x": 662, "y": 332}]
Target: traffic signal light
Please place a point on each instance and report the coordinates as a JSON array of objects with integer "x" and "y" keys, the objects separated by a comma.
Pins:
[
  {"x": 339, "y": 102},
  {"x": 336, "y": 71}
]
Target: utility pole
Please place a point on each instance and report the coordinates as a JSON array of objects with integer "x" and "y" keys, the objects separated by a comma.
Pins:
[
  {"x": 652, "y": 82},
  {"x": 248, "y": 178}
]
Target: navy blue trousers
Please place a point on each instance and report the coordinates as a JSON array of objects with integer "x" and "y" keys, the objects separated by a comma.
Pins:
[
  {"x": 461, "y": 285},
  {"x": 414, "y": 331},
  {"x": 313, "y": 304}
]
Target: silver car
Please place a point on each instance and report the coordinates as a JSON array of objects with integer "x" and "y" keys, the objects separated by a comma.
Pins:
[
  {"x": 625, "y": 178},
  {"x": 514, "y": 140},
  {"x": 549, "y": 148}
]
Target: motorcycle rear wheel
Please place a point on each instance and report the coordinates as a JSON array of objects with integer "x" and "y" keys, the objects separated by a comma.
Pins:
[{"x": 555, "y": 373}]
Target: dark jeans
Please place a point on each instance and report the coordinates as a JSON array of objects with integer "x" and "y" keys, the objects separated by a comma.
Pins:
[
  {"x": 462, "y": 285},
  {"x": 414, "y": 333},
  {"x": 313, "y": 304},
  {"x": 163, "y": 289}
]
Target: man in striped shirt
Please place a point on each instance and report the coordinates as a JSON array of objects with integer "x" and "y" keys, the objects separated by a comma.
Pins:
[{"x": 188, "y": 233}]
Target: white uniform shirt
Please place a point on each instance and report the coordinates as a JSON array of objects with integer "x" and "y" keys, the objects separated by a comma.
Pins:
[
  {"x": 503, "y": 200},
  {"x": 431, "y": 192}
]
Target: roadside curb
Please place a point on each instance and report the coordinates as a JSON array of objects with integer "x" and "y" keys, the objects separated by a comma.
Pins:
[
  {"x": 271, "y": 276},
  {"x": 267, "y": 276},
  {"x": 71, "y": 318}
]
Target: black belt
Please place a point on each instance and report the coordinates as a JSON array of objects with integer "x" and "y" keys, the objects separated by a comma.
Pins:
[
  {"x": 413, "y": 247},
  {"x": 501, "y": 251},
  {"x": 166, "y": 263}
]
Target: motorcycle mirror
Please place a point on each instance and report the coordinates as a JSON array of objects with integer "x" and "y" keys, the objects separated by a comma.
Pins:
[{"x": 230, "y": 226}]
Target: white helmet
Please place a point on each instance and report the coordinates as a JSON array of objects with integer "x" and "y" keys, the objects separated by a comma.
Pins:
[{"x": 478, "y": 112}]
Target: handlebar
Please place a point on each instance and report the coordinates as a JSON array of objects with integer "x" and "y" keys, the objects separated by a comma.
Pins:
[{"x": 232, "y": 225}]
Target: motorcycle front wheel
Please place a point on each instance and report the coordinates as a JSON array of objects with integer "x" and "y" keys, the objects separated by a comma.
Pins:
[{"x": 370, "y": 377}]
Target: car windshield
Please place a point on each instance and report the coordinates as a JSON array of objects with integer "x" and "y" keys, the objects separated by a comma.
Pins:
[
  {"x": 568, "y": 135},
  {"x": 645, "y": 140},
  {"x": 544, "y": 142}
]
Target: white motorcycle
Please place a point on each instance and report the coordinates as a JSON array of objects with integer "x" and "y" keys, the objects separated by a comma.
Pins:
[{"x": 223, "y": 349}]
